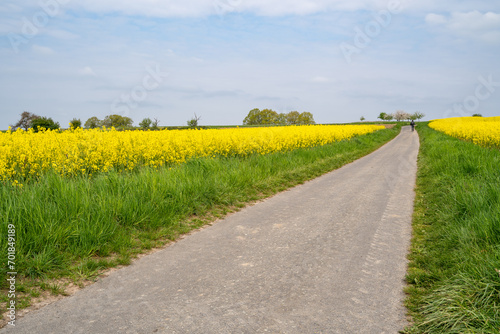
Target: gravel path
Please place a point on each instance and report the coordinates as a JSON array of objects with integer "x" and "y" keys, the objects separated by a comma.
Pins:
[{"x": 328, "y": 256}]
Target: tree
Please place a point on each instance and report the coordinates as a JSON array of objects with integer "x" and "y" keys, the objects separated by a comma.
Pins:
[
  {"x": 401, "y": 115},
  {"x": 281, "y": 119},
  {"x": 155, "y": 124},
  {"x": 25, "y": 121},
  {"x": 75, "y": 123},
  {"x": 93, "y": 122},
  {"x": 306, "y": 118},
  {"x": 146, "y": 123},
  {"x": 44, "y": 123},
  {"x": 117, "y": 121},
  {"x": 362, "y": 118},
  {"x": 418, "y": 115},
  {"x": 293, "y": 118},
  {"x": 477, "y": 115},
  {"x": 389, "y": 117},
  {"x": 382, "y": 116},
  {"x": 261, "y": 117},
  {"x": 271, "y": 117},
  {"x": 253, "y": 117},
  {"x": 193, "y": 122}
]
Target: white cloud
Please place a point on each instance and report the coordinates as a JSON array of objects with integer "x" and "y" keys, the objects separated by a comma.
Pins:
[
  {"x": 200, "y": 8},
  {"x": 62, "y": 34},
  {"x": 87, "y": 71},
  {"x": 197, "y": 8},
  {"x": 10, "y": 8},
  {"x": 44, "y": 50},
  {"x": 320, "y": 79},
  {"x": 474, "y": 21},
  {"x": 276, "y": 8},
  {"x": 473, "y": 25},
  {"x": 435, "y": 19}
]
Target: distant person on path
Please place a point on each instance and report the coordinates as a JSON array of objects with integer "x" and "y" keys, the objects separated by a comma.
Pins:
[{"x": 412, "y": 123}]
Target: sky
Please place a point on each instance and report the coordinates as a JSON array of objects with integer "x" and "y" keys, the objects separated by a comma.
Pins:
[{"x": 338, "y": 59}]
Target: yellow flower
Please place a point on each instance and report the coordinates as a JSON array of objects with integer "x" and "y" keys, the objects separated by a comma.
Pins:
[
  {"x": 484, "y": 131},
  {"x": 25, "y": 154}
]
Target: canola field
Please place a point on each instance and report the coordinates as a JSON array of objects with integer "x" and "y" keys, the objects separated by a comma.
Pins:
[
  {"x": 484, "y": 131},
  {"x": 26, "y": 155}
]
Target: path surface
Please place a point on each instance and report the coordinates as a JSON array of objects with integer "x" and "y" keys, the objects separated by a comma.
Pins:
[{"x": 328, "y": 256}]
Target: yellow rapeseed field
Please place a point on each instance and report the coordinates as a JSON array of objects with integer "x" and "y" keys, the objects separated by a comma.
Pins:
[
  {"x": 25, "y": 154},
  {"x": 484, "y": 131}
]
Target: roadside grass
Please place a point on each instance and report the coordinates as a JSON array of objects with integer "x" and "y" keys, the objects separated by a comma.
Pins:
[
  {"x": 73, "y": 229},
  {"x": 454, "y": 283}
]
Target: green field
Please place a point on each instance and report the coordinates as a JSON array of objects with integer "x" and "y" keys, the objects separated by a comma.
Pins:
[{"x": 455, "y": 256}]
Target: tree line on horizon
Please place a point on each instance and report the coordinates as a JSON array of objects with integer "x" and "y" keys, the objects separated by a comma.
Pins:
[
  {"x": 254, "y": 117},
  {"x": 271, "y": 117},
  {"x": 29, "y": 120},
  {"x": 401, "y": 115}
]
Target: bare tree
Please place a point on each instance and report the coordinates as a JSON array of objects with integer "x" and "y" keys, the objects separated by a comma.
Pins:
[
  {"x": 155, "y": 124},
  {"x": 193, "y": 122},
  {"x": 25, "y": 121}
]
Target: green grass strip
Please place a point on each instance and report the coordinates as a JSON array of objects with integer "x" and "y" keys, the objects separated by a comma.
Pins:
[
  {"x": 454, "y": 283},
  {"x": 75, "y": 227}
]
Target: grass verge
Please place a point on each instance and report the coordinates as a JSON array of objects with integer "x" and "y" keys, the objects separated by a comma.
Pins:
[
  {"x": 454, "y": 283},
  {"x": 73, "y": 229}
]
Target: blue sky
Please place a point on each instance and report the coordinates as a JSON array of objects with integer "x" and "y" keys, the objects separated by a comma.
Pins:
[{"x": 338, "y": 59}]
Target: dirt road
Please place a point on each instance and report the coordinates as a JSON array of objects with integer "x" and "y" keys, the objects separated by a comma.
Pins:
[{"x": 328, "y": 256}]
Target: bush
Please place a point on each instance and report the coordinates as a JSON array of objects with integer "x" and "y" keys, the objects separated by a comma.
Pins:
[
  {"x": 45, "y": 123},
  {"x": 146, "y": 123},
  {"x": 117, "y": 121},
  {"x": 93, "y": 122},
  {"x": 193, "y": 122},
  {"x": 75, "y": 123}
]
